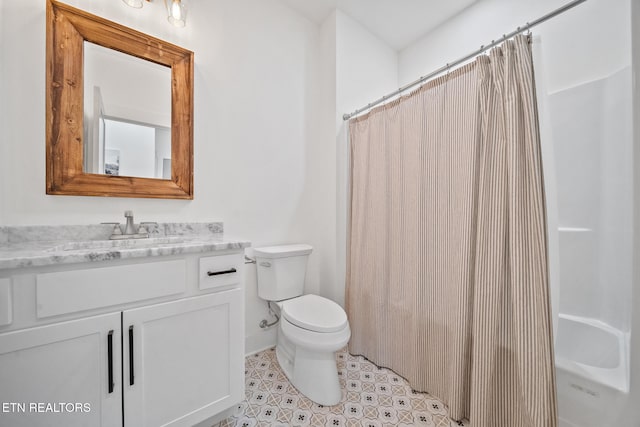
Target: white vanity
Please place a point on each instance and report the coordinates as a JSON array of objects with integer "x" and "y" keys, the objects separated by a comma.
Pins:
[{"x": 144, "y": 333}]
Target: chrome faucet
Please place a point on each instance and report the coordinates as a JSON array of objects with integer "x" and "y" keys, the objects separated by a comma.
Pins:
[{"x": 130, "y": 231}]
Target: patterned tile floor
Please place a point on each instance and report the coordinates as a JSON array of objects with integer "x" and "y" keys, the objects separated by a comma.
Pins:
[{"x": 371, "y": 397}]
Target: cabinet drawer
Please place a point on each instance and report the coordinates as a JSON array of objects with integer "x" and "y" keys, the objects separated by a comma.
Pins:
[
  {"x": 71, "y": 291},
  {"x": 221, "y": 270}
]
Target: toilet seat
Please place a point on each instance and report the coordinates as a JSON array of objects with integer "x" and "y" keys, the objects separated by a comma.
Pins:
[
  {"x": 315, "y": 313},
  {"x": 315, "y": 341}
]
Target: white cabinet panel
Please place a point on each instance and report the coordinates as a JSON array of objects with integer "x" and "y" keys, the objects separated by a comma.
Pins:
[
  {"x": 6, "y": 305},
  {"x": 76, "y": 290},
  {"x": 62, "y": 364},
  {"x": 187, "y": 359}
]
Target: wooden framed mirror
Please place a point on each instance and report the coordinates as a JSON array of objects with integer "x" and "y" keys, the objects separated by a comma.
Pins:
[{"x": 68, "y": 30}]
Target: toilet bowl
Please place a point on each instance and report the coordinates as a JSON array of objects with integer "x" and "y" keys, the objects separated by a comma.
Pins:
[
  {"x": 311, "y": 330},
  {"x": 311, "y": 327}
]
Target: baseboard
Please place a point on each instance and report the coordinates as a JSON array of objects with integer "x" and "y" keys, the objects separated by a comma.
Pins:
[{"x": 260, "y": 340}]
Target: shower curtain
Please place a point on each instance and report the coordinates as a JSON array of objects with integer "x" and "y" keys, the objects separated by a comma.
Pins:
[{"x": 447, "y": 272}]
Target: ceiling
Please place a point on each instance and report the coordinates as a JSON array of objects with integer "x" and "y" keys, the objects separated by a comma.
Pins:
[{"x": 396, "y": 22}]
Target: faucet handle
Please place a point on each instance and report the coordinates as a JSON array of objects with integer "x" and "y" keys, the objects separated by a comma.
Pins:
[
  {"x": 128, "y": 214},
  {"x": 116, "y": 227},
  {"x": 143, "y": 227}
]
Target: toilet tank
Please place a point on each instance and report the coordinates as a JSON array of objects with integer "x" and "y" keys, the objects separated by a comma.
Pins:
[{"x": 281, "y": 271}]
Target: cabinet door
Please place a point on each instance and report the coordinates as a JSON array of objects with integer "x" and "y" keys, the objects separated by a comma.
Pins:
[
  {"x": 183, "y": 360},
  {"x": 60, "y": 374}
]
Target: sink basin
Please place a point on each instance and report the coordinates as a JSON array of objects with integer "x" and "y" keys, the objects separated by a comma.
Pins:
[{"x": 117, "y": 244}]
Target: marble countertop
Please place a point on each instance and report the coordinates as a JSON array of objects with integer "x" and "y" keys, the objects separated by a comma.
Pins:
[{"x": 35, "y": 246}]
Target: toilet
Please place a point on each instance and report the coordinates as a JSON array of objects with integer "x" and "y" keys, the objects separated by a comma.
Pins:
[{"x": 311, "y": 329}]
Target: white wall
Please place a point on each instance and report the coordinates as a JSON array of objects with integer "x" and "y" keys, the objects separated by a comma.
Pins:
[
  {"x": 632, "y": 412},
  {"x": 365, "y": 68},
  {"x": 131, "y": 88},
  {"x": 162, "y": 151},
  {"x": 256, "y": 127},
  {"x": 3, "y": 146},
  {"x": 571, "y": 40},
  {"x": 137, "y": 147},
  {"x": 326, "y": 173}
]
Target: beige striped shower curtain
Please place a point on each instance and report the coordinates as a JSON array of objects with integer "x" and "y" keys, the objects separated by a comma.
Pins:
[{"x": 447, "y": 280}]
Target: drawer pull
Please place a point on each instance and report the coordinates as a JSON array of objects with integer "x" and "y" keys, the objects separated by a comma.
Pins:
[
  {"x": 217, "y": 273},
  {"x": 131, "y": 376},
  {"x": 110, "y": 360}
]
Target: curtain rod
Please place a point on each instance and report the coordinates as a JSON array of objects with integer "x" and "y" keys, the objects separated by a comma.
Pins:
[{"x": 482, "y": 49}]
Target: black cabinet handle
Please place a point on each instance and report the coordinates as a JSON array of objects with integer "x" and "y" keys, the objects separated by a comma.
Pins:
[
  {"x": 131, "y": 355},
  {"x": 217, "y": 273},
  {"x": 110, "y": 359}
]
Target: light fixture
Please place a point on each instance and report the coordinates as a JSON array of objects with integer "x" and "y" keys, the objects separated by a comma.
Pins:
[
  {"x": 177, "y": 12},
  {"x": 176, "y": 9},
  {"x": 134, "y": 3}
]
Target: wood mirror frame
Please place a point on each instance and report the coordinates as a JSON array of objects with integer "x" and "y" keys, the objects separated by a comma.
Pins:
[{"x": 67, "y": 29}]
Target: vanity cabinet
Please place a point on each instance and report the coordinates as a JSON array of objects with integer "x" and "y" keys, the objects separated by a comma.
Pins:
[
  {"x": 61, "y": 364},
  {"x": 158, "y": 354},
  {"x": 183, "y": 360}
]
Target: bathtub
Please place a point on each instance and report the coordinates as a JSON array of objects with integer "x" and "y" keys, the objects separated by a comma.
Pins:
[{"x": 592, "y": 366}]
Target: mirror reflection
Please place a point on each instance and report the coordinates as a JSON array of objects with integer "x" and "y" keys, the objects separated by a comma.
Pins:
[{"x": 127, "y": 115}]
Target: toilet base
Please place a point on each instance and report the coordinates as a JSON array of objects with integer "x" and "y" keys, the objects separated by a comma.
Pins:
[{"x": 313, "y": 373}]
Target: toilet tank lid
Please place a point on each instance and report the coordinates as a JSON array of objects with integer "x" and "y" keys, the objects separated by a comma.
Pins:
[{"x": 282, "y": 251}]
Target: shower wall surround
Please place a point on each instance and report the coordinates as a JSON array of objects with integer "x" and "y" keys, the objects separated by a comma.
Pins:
[{"x": 593, "y": 149}]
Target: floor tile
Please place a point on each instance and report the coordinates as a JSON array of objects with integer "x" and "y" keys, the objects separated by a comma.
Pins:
[{"x": 372, "y": 397}]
